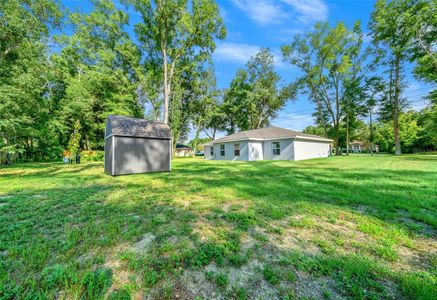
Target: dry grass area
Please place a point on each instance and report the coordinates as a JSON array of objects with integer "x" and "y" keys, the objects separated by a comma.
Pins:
[{"x": 356, "y": 227}]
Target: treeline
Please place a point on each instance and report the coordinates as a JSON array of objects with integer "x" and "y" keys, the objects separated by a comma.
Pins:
[
  {"x": 62, "y": 73},
  {"x": 61, "y": 70},
  {"x": 350, "y": 83}
]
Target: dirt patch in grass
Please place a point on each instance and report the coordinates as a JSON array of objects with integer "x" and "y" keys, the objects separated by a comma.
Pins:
[
  {"x": 143, "y": 245},
  {"x": 307, "y": 287},
  {"x": 293, "y": 239},
  {"x": 121, "y": 275},
  {"x": 420, "y": 227},
  {"x": 342, "y": 236},
  {"x": 204, "y": 230},
  {"x": 247, "y": 280}
]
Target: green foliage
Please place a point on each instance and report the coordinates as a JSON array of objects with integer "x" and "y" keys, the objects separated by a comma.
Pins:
[
  {"x": 120, "y": 294},
  {"x": 220, "y": 279},
  {"x": 96, "y": 283},
  {"x": 315, "y": 130},
  {"x": 408, "y": 131},
  {"x": 271, "y": 275},
  {"x": 92, "y": 155},
  {"x": 75, "y": 139},
  {"x": 55, "y": 277},
  {"x": 333, "y": 62},
  {"x": 177, "y": 39},
  {"x": 254, "y": 96},
  {"x": 26, "y": 105}
]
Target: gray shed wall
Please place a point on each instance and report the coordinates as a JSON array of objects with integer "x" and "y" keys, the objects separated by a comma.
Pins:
[
  {"x": 108, "y": 155},
  {"x": 140, "y": 155}
]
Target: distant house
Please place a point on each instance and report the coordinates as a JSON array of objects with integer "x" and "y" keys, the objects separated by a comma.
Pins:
[
  {"x": 136, "y": 146},
  {"x": 271, "y": 143},
  {"x": 183, "y": 150},
  {"x": 359, "y": 146}
]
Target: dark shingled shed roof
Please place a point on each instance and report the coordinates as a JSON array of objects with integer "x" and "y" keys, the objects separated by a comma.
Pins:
[{"x": 125, "y": 126}]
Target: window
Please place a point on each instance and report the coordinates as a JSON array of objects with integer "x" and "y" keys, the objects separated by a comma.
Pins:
[
  {"x": 237, "y": 149},
  {"x": 276, "y": 148},
  {"x": 222, "y": 150},
  {"x": 211, "y": 151}
]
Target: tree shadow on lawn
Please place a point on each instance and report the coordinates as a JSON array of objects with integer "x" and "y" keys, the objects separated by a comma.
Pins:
[
  {"x": 45, "y": 169},
  {"x": 382, "y": 193},
  {"x": 69, "y": 234},
  {"x": 425, "y": 157}
]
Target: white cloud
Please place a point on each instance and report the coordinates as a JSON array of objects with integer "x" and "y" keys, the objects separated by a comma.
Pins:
[
  {"x": 420, "y": 105},
  {"x": 263, "y": 12},
  {"x": 293, "y": 121},
  {"x": 309, "y": 10},
  {"x": 241, "y": 53}
]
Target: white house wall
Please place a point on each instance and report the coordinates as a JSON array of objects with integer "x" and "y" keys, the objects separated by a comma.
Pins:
[
  {"x": 207, "y": 152},
  {"x": 304, "y": 149},
  {"x": 255, "y": 151},
  {"x": 229, "y": 151},
  {"x": 286, "y": 146}
]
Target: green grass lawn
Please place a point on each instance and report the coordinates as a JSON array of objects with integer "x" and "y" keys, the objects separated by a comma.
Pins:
[{"x": 342, "y": 227}]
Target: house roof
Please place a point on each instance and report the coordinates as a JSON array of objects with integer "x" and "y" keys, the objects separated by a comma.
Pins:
[
  {"x": 133, "y": 127},
  {"x": 268, "y": 133},
  {"x": 183, "y": 147}
]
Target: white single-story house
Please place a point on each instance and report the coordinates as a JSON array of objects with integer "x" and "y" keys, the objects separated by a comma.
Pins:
[
  {"x": 359, "y": 146},
  {"x": 271, "y": 143},
  {"x": 183, "y": 150}
]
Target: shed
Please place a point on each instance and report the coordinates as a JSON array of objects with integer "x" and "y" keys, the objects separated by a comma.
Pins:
[
  {"x": 183, "y": 150},
  {"x": 136, "y": 146}
]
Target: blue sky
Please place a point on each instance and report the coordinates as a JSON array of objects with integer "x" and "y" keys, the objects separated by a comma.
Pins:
[{"x": 252, "y": 24}]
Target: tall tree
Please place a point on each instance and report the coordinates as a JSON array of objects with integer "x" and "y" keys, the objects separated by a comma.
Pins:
[
  {"x": 177, "y": 29},
  {"x": 388, "y": 23},
  {"x": 421, "y": 26},
  {"x": 25, "y": 72},
  {"x": 255, "y": 95},
  {"x": 330, "y": 61},
  {"x": 372, "y": 88},
  {"x": 203, "y": 105},
  {"x": 98, "y": 69}
]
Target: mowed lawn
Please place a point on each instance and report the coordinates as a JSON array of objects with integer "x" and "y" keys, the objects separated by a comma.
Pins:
[{"x": 342, "y": 227}]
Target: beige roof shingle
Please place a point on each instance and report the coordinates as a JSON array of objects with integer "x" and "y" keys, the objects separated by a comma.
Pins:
[{"x": 268, "y": 133}]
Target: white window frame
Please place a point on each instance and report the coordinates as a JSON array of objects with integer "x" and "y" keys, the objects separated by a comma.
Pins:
[
  {"x": 235, "y": 149},
  {"x": 274, "y": 144},
  {"x": 222, "y": 150}
]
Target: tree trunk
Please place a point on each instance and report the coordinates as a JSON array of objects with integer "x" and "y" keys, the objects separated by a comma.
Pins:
[
  {"x": 396, "y": 109},
  {"x": 166, "y": 92},
  {"x": 371, "y": 132},
  {"x": 337, "y": 122},
  {"x": 337, "y": 137},
  {"x": 347, "y": 135},
  {"x": 175, "y": 141},
  {"x": 196, "y": 137}
]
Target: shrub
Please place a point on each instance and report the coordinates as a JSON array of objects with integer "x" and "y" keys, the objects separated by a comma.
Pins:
[{"x": 92, "y": 155}]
